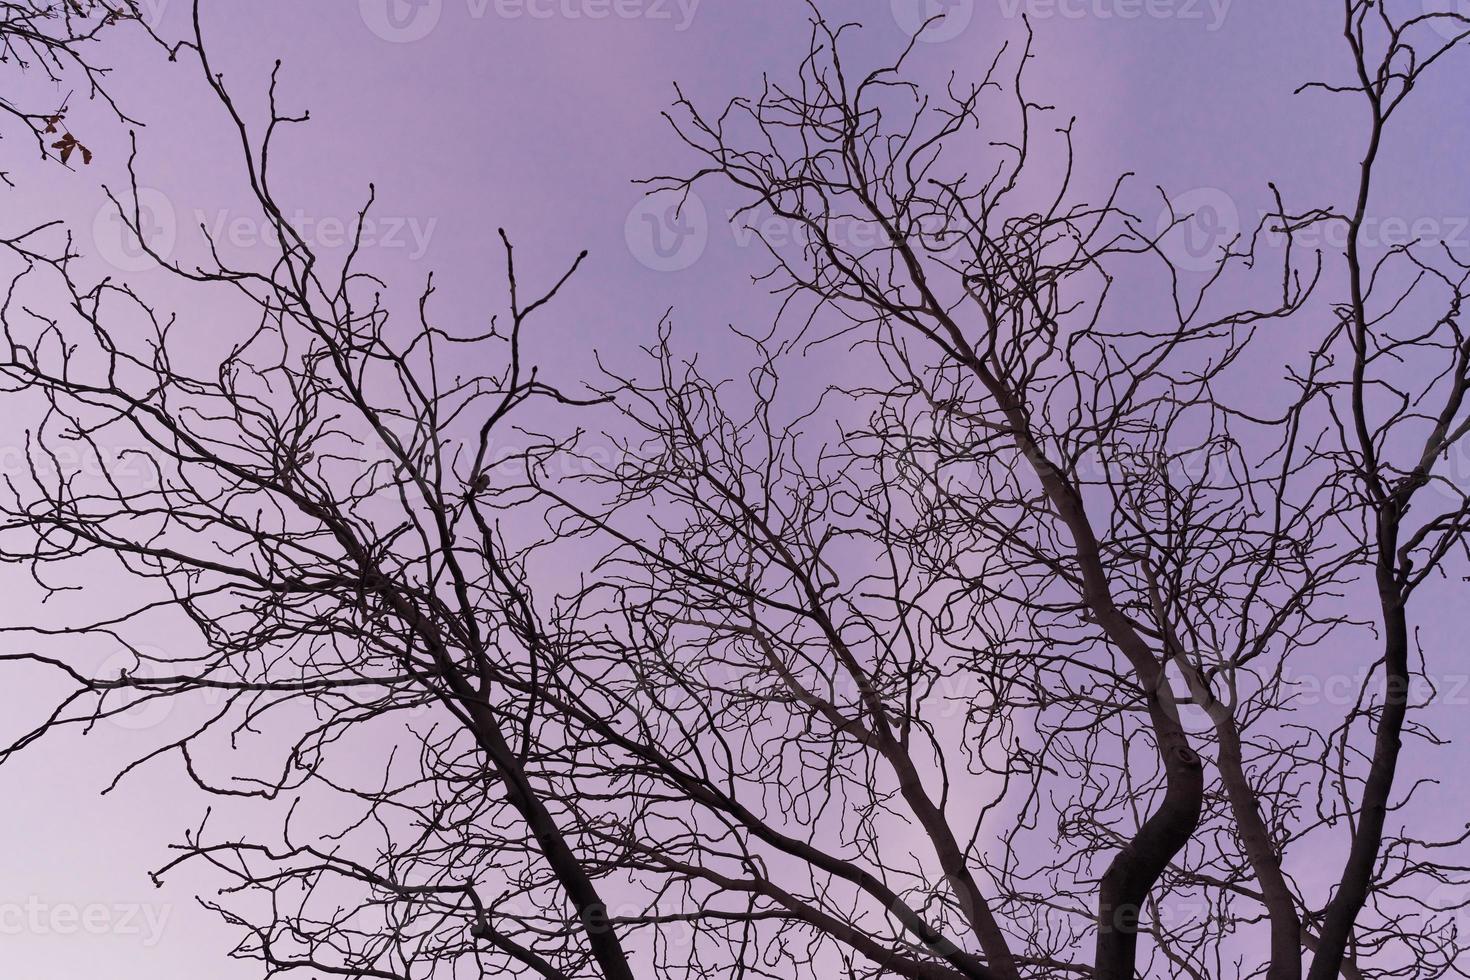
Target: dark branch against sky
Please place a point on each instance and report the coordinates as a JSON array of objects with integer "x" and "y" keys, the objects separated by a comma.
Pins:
[{"x": 653, "y": 489}]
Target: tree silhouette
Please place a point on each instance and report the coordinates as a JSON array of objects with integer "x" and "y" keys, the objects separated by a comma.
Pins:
[
  {"x": 980, "y": 663},
  {"x": 54, "y": 39}
]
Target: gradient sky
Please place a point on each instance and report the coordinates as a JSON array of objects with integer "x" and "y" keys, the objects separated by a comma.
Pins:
[{"x": 537, "y": 115}]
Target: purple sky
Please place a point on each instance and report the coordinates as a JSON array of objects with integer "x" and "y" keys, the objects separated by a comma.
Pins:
[{"x": 536, "y": 115}]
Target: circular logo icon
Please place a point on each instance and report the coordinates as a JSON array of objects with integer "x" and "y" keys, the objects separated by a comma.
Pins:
[
  {"x": 144, "y": 712},
  {"x": 933, "y": 21},
  {"x": 1449, "y": 904},
  {"x": 401, "y": 21},
  {"x": 1450, "y": 473},
  {"x": 1456, "y": 25},
  {"x": 1205, "y": 220},
  {"x": 132, "y": 249},
  {"x": 668, "y": 230},
  {"x": 150, "y": 12}
]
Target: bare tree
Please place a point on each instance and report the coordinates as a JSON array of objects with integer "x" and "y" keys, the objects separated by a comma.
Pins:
[
  {"x": 976, "y": 664},
  {"x": 53, "y": 40},
  {"x": 1123, "y": 513}
]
